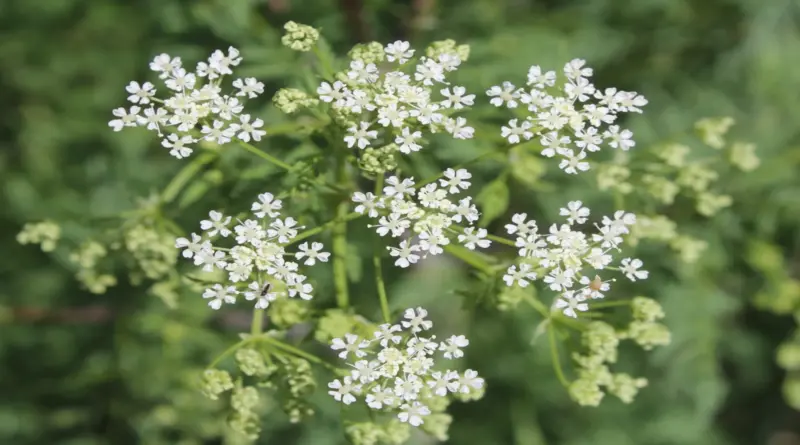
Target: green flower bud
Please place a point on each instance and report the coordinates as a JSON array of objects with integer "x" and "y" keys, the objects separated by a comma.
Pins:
[
  {"x": 673, "y": 155},
  {"x": 648, "y": 335},
  {"x": 371, "y": 52},
  {"x": 601, "y": 339},
  {"x": 585, "y": 392},
  {"x": 661, "y": 188},
  {"x": 447, "y": 47},
  {"x": 510, "y": 297},
  {"x": 743, "y": 156},
  {"x": 46, "y": 234},
  {"x": 245, "y": 424},
  {"x": 784, "y": 298},
  {"x": 289, "y": 100},
  {"x": 657, "y": 227},
  {"x": 646, "y": 309},
  {"x": 396, "y": 432},
  {"x": 696, "y": 177},
  {"x": 626, "y": 387},
  {"x": 377, "y": 161},
  {"x": 336, "y": 322},
  {"x": 88, "y": 254},
  {"x": 297, "y": 409},
  {"x": 788, "y": 356},
  {"x": 215, "y": 382},
  {"x": 299, "y": 37},
  {"x": 154, "y": 251},
  {"x": 94, "y": 282},
  {"x": 251, "y": 362},
  {"x": 436, "y": 425},
  {"x": 709, "y": 204},
  {"x": 613, "y": 177},
  {"x": 244, "y": 399},
  {"x": 713, "y": 130},
  {"x": 299, "y": 377},
  {"x": 688, "y": 248},
  {"x": 365, "y": 433},
  {"x": 166, "y": 291},
  {"x": 287, "y": 312}
]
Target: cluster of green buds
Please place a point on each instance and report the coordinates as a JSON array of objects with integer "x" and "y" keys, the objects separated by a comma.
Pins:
[
  {"x": 153, "y": 251},
  {"x": 46, "y": 234},
  {"x": 87, "y": 259},
  {"x": 661, "y": 229},
  {"x": 601, "y": 342},
  {"x": 289, "y": 100},
  {"x": 299, "y": 37}
]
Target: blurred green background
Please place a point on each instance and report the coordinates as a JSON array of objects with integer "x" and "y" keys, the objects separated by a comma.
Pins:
[{"x": 84, "y": 369}]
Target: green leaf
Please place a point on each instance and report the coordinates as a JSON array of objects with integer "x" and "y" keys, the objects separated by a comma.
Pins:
[{"x": 493, "y": 200}]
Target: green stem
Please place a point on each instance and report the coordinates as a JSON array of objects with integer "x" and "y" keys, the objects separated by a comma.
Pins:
[
  {"x": 339, "y": 245},
  {"x": 555, "y": 356},
  {"x": 501, "y": 240},
  {"x": 319, "y": 229},
  {"x": 469, "y": 257},
  {"x": 296, "y": 351},
  {"x": 258, "y": 321},
  {"x": 264, "y": 155},
  {"x": 601, "y": 304},
  {"x": 229, "y": 351},
  {"x": 184, "y": 175},
  {"x": 376, "y": 260}
]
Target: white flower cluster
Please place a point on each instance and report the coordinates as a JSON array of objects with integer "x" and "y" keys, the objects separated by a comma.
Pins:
[
  {"x": 193, "y": 103},
  {"x": 566, "y": 259},
  {"x": 393, "y": 106},
  {"x": 255, "y": 264},
  {"x": 400, "y": 376},
  {"x": 564, "y": 117},
  {"x": 431, "y": 220}
]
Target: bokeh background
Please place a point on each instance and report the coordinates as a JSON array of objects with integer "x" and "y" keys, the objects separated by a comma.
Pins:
[{"x": 85, "y": 369}]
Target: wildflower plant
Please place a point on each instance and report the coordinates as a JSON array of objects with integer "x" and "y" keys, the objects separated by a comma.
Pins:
[{"x": 359, "y": 124}]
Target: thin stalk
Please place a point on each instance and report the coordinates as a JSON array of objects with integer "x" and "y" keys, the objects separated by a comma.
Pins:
[
  {"x": 462, "y": 165},
  {"x": 297, "y": 352},
  {"x": 319, "y": 229},
  {"x": 266, "y": 156},
  {"x": 376, "y": 260},
  {"x": 339, "y": 245},
  {"x": 555, "y": 356},
  {"x": 258, "y": 322}
]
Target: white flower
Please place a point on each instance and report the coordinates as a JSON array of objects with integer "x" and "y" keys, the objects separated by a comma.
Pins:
[
  {"x": 538, "y": 79},
  {"x": 559, "y": 279},
  {"x": 575, "y": 212},
  {"x": 360, "y": 136},
  {"x": 513, "y": 133},
  {"x": 312, "y": 254},
  {"x": 398, "y": 189},
  {"x": 165, "y": 64},
  {"x": 471, "y": 239},
  {"x": 380, "y": 397},
  {"x": 399, "y": 51},
  {"x": 415, "y": 320},
  {"x": 249, "y": 87},
  {"x": 350, "y": 345},
  {"x": 246, "y": 129},
  {"x": 630, "y": 267},
  {"x": 218, "y": 132},
  {"x": 266, "y": 205},
  {"x": 405, "y": 254},
  {"x": 177, "y": 145},
  {"x": 217, "y": 223},
  {"x": 619, "y": 139},
  {"x": 283, "y": 229},
  {"x": 576, "y": 68},
  {"x": 458, "y": 128},
  {"x": 140, "y": 94},
  {"x": 180, "y": 80},
  {"x": 362, "y": 73},
  {"x": 192, "y": 247},
  {"x": 218, "y": 295},
  {"x": 342, "y": 391},
  {"x": 573, "y": 163},
  {"x": 507, "y": 94},
  {"x": 452, "y": 349},
  {"x": 456, "y": 179},
  {"x": 406, "y": 141},
  {"x": 521, "y": 276},
  {"x": 335, "y": 93},
  {"x": 367, "y": 203},
  {"x": 413, "y": 413},
  {"x": 568, "y": 302},
  {"x": 154, "y": 119},
  {"x": 457, "y": 100},
  {"x": 209, "y": 259},
  {"x": 391, "y": 115},
  {"x": 467, "y": 382},
  {"x": 125, "y": 118}
]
